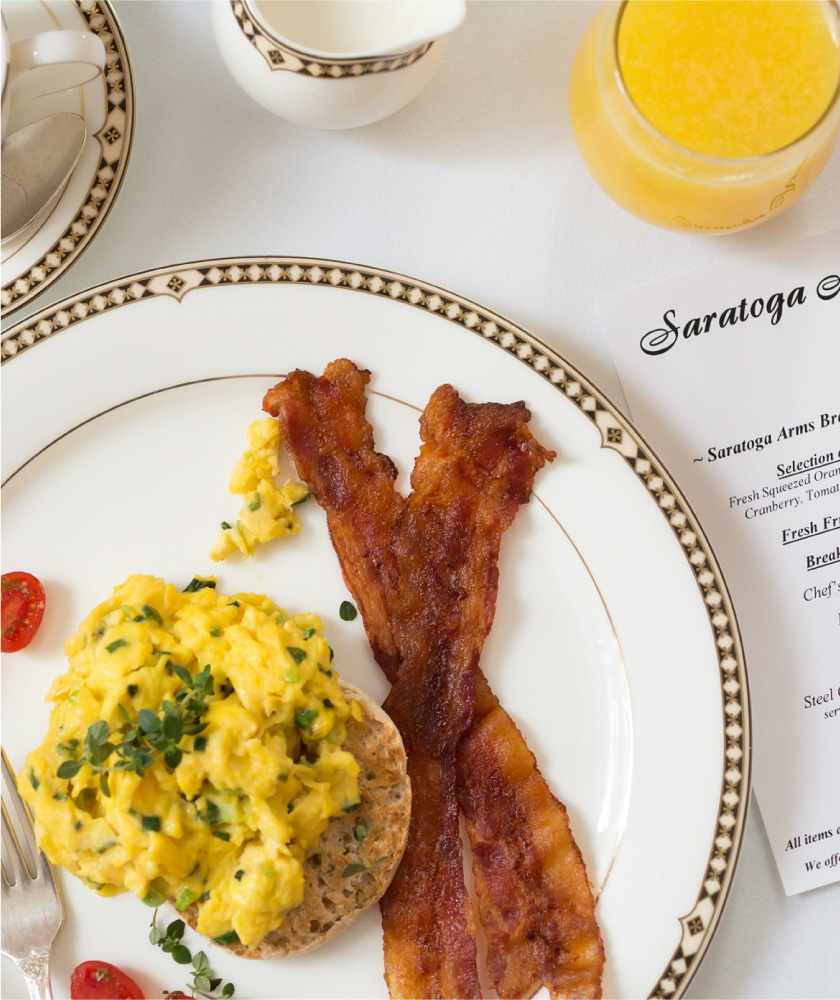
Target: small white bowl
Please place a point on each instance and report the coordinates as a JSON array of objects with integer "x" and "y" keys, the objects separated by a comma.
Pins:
[{"x": 334, "y": 63}]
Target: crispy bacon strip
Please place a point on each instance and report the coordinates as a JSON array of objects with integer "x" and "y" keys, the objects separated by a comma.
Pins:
[
  {"x": 518, "y": 889},
  {"x": 324, "y": 427},
  {"x": 476, "y": 466},
  {"x": 427, "y": 917},
  {"x": 534, "y": 899}
]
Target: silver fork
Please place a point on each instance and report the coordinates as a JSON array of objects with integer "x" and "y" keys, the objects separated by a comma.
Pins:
[{"x": 32, "y": 911}]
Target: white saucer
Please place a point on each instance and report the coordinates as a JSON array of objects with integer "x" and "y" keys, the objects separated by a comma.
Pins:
[{"x": 39, "y": 256}]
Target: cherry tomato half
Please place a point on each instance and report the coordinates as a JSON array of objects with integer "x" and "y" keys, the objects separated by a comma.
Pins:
[
  {"x": 23, "y": 609},
  {"x": 102, "y": 981}
]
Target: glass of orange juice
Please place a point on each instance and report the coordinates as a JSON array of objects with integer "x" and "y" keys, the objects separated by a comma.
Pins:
[{"x": 708, "y": 116}]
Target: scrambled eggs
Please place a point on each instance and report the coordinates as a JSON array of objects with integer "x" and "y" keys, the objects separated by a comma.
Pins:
[
  {"x": 268, "y": 509},
  {"x": 194, "y": 752}
]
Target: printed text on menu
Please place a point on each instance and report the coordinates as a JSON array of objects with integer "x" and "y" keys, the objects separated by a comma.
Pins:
[{"x": 733, "y": 374}]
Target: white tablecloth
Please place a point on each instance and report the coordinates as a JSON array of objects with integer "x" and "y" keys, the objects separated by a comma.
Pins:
[{"x": 476, "y": 186}]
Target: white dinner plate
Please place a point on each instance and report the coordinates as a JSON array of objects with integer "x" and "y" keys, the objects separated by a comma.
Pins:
[
  {"x": 614, "y": 648},
  {"x": 40, "y": 255}
]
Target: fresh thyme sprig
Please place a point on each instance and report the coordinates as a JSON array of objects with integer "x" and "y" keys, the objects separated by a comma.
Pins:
[
  {"x": 360, "y": 833},
  {"x": 152, "y": 731},
  {"x": 204, "y": 982}
]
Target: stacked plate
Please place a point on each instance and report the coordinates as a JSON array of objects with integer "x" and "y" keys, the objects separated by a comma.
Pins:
[{"x": 40, "y": 254}]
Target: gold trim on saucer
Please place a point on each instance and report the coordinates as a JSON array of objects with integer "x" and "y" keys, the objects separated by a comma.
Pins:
[
  {"x": 115, "y": 140},
  {"x": 617, "y": 434},
  {"x": 282, "y": 56}
]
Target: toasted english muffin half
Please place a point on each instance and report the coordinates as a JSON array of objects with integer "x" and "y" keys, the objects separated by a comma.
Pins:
[{"x": 332, "y": 900}]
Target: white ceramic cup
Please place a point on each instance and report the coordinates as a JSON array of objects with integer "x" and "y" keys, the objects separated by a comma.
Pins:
[
  {"x": 334, "y": 63},
  {"x": 46, "y": 63}
]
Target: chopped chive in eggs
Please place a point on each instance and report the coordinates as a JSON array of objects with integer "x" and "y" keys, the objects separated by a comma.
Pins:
[
  {"x": 194, "y": 753},
  {"x": 268, "y": 510}
]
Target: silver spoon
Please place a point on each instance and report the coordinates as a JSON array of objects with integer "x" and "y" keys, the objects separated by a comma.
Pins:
[{"x": 36, "y": 164}]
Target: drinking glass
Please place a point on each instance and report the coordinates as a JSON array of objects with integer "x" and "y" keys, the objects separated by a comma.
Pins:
[{"x": 666, "y": 183}]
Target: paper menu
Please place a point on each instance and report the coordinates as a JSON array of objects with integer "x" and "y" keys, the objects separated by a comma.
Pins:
[{"x": 733, "y": 375}]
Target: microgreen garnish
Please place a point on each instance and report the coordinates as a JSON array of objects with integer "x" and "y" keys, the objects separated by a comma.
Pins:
[
  {"x": 347, "y": 611},
  {"x": 170, "y": 942},
  {"x": 153, "y": 731},
  {"x": 361, "y": 832},
  {"x": 85, "y": 799},
  {"x": 204, "y": 982}
]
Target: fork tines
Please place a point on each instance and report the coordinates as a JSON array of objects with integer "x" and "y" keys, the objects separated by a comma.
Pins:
[{"x": 16, "y": 863}]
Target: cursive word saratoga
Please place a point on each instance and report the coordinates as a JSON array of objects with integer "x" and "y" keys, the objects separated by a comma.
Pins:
[{"x": 663, "y": 338}]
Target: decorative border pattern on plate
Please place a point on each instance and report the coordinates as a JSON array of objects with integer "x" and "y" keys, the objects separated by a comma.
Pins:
[
  {"x": 699, "y": 925},
  {"x": 282, "y": 56},
  {"x": 115, "y": 140}
]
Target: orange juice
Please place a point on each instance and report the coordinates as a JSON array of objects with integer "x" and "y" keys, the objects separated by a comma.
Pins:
[{"x": 708, "y": 115}]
